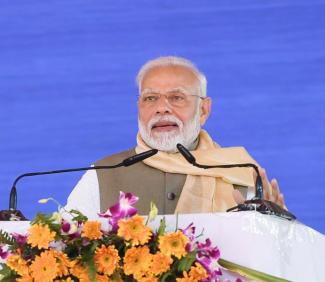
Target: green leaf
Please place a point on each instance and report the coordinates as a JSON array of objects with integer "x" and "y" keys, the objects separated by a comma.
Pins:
[
  {"x": 7, "y": 239},
  {"x": 46, "y": 219},
  {"x": 78, "y": 216},
  {"x": 7, "y": 274},
  {"x": 153, "y": 212},
  {"x": 162, "y": 227},
  {"x": 167, "y": 277},
  {"x": 186, "y": 262}
]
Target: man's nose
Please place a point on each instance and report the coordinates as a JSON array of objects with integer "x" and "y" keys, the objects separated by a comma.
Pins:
[{"x": 163, "y": 105}]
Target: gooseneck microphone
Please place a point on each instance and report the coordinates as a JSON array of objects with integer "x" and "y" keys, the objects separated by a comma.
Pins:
[
  {"x": 257, "y": 203},
  {"x": 13, "y": 193},
  {"x": 191, "y": 159}
]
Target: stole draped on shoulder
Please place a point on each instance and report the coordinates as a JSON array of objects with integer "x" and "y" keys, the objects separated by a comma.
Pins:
[{"x": 205, "y": 190}]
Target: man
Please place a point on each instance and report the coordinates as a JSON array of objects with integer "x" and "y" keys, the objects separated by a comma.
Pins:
[{"x": 172, "y": 107}]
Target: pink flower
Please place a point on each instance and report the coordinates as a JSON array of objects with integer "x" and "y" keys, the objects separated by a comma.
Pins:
[
  {"x": 189, "y": 232},
  {"x": 20, "y": 239},
  {"x": 208, "y": 256},
  {"x": 211, "y": 265},
  {"x": 3, "y": 252},
  {"x": 122, "y": 209}
]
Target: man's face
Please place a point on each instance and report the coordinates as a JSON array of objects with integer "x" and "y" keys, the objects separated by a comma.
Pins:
[{"x": 170, "y": 110}]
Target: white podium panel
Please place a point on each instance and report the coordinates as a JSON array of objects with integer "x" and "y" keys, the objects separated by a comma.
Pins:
[{"x": 282, "y": 248}]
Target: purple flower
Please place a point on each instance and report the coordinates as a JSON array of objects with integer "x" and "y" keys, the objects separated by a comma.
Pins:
[
  {"x": 3, "y": 252},
  {"x": 189, "y": 232},
  {"x": 20, "y": 239},
  {"x": 211, "y": 265},
  {"x": 122, "y": 209},
  {"x": 206, "y": 249}
]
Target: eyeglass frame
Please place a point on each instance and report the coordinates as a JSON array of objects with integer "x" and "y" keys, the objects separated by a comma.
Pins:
[{"x": 158, "y": 95}]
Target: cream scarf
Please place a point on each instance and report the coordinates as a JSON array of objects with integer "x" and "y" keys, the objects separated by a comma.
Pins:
[{"x": 205, "y": 190}]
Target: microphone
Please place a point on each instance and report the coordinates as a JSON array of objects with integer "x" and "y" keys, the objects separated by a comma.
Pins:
[
  {"x": 256, "y": 203},
  {"x": 191, "y": 159},
  {"x": 13, "y": 214},
  {"x": 139, "y": 157}
]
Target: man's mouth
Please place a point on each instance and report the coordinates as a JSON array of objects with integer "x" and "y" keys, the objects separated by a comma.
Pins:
[{"x": 164, "y": 126}]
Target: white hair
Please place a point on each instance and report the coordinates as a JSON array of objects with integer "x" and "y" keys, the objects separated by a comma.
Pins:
[{"x": 172, "y": 61}]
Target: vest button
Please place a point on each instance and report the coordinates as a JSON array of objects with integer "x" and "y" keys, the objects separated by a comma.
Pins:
[{"x": 171, "y": 196}]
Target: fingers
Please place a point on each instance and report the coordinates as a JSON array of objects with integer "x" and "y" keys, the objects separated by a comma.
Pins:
[
  {"x": 266, "y": 184},
  {"x": 278, "y": 197},
  {"x": 238, "y": 197}
]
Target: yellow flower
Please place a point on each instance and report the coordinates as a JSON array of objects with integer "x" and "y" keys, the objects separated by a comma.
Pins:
[
  {"x": 40, "y": 236},
  {"x": 91, "y": 230},
  {"x": 106, "y": 259},
  {"x": 160, "y": 263},
  {"x": 79, "y": 271},
  {"x": 133, "y": 229},
  {"x": 173, "y": 244},
  {"x": 198, "y": 272},
  {"x": 185, "y": 279},
  {"x": 25, "y": 278},
  {"x": 18, "y": 264},
  {"x": 147, "y": 279},
  {"x": 137, "y": 261},
  {"x": 101, "y": 278},
  {"x": 63, "y": 263},
  {"x": 64, "y": 280},
  {"x": 44, "y": 267}
]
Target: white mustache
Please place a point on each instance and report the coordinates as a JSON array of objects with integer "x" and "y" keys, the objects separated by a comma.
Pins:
[{"x": 165, "y": 118}]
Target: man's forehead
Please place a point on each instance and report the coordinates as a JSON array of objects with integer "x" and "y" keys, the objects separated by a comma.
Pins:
[
  {"x": 178, "y": 76},
  {"x": 150, "y": 90}
]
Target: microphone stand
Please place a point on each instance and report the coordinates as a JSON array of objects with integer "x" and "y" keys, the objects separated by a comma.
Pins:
[
  {"x": 12, "y": 214},
  {"x": 257, "y": 203}
]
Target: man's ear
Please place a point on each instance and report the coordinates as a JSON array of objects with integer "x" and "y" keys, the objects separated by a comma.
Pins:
[{"x": 205, "y": 109}]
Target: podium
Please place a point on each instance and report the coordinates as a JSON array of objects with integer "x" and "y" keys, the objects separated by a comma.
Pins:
[{"x": 269, "y": 244}]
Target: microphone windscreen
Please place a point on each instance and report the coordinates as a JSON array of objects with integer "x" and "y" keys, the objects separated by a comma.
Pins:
[{"x": 186, "y": 153}]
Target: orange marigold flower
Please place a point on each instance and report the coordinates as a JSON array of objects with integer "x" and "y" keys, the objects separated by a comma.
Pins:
[
  {"x": 137, "y": 261},
  {"x": 18, "y": 264},
  {"x": 64, "y": 263},
  {"x": 186, "y": 278},
  {"x": 106, "y": 259},
  {"x": 198, "y": 272},
  {"x": 173, "y": 244},
  {"x": 101, "y": 278},
  {"x": 160, "y": 263},
  {"x": 133, "y": 229},
  {"x": 40, "y": 236},
  {"x": 91, "y": 230},
  {"x": 79, "y": 271},
  {"x": 25, "y": 278},
  {"x": 147, "y": 279},
  {"x": 44, "y": 267},
  {"x": 64, "y": 280}
]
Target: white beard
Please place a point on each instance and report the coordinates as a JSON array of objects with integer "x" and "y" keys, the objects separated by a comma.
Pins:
[{"x": 167, "y": 141}]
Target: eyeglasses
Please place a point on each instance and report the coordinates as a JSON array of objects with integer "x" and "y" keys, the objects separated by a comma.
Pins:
[{"x": 175, "y": 98}]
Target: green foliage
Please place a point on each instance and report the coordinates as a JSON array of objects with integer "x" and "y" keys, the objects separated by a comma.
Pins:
[
  {"x": 7, "y": 239},
  {"x": 186, "y": 262},
  {"x": 162, "y": 227},
  {"x": 7, "y": 274},
  {"x": 79, "y": 217},
  {"x": 46, "y": 219},
  {"x": 168, "y": 277}
]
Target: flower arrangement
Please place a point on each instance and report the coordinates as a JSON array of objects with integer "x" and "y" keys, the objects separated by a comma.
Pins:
[{"x": 72, "y": 248}]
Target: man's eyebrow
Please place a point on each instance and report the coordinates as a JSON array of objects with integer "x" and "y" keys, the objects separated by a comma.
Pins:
[
  {"x": 149, "y": 91},
  {"x": 178, "y": 89}
]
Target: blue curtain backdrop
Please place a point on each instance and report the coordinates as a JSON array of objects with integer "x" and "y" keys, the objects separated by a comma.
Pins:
[{"x": 68, "y": 95}]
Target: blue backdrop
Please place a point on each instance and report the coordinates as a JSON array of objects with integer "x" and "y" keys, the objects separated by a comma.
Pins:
[{"x": 68, "y": 95}]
